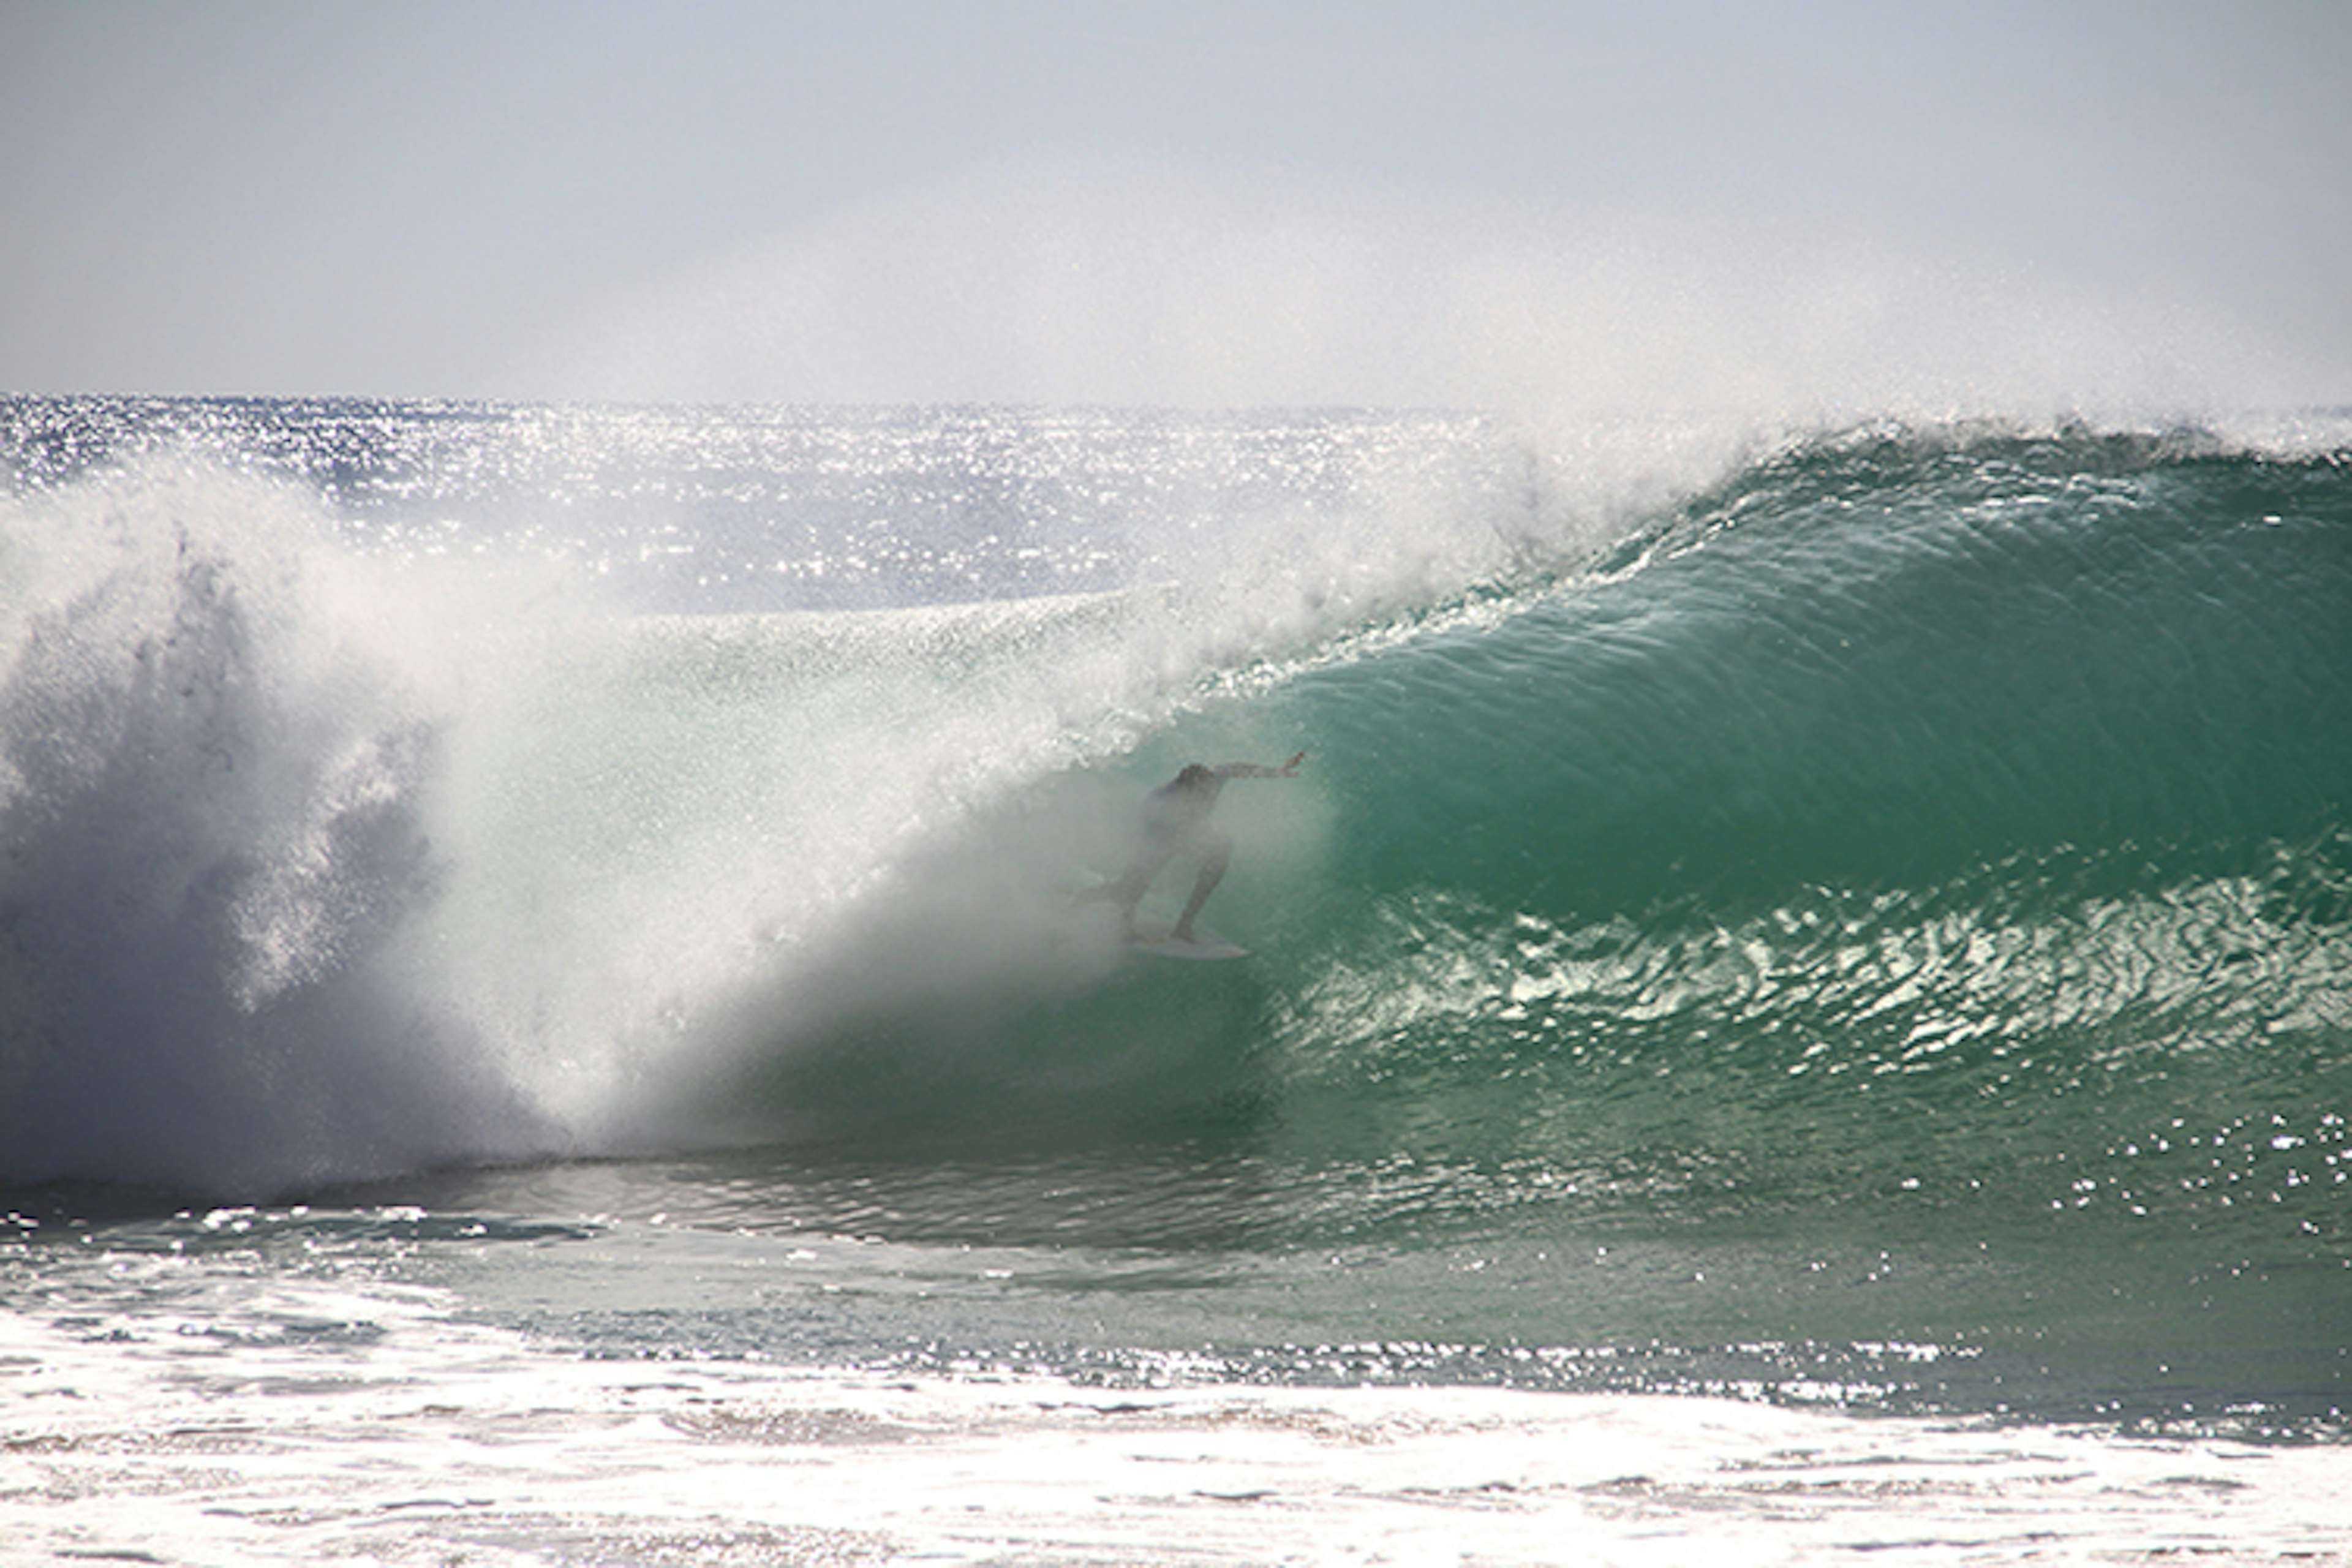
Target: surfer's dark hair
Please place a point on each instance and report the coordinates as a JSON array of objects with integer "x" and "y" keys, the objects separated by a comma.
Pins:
[{"x": 1195, "y": 774}]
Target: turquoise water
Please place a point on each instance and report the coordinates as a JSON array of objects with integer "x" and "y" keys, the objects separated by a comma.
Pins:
[{"x": 1873, "y": 928}]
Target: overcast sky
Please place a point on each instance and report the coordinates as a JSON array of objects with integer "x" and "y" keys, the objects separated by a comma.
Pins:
[{"x": 1187, "y": 202}]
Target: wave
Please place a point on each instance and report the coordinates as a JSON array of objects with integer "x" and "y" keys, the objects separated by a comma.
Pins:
[
  {"x": 1957, "y": 815},
  {"x": 1929, "y": 817},
  {"x": 1938, "y": 803}
]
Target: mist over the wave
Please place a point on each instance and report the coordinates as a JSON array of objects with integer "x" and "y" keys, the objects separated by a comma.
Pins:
[
  {"x": 1201, "y": 205},
  {"x": 1133, "y": 285}
]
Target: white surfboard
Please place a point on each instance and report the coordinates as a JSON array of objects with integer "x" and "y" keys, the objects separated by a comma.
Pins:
[{"x": 1205, "y": 944}]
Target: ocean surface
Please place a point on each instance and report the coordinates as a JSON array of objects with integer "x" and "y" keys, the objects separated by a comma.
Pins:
[{"x": 1800, "y": 1004}]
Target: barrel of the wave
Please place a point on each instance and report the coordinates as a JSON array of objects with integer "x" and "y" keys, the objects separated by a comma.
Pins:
[{"x": 1919, "y": 812}]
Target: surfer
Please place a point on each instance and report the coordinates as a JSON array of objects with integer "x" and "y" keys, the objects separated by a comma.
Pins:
[{"x": 1176, "y": 822}]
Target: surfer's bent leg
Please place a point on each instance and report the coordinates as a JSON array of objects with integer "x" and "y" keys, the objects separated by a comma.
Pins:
[
  {"x": 1128, "y": 891},
  {"x": 1216, "y": 850},
  {"x": 1164, "y": 837}
]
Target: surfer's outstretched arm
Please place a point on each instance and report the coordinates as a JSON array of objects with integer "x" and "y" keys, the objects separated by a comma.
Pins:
[{"x": 1259, "y": 770}]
